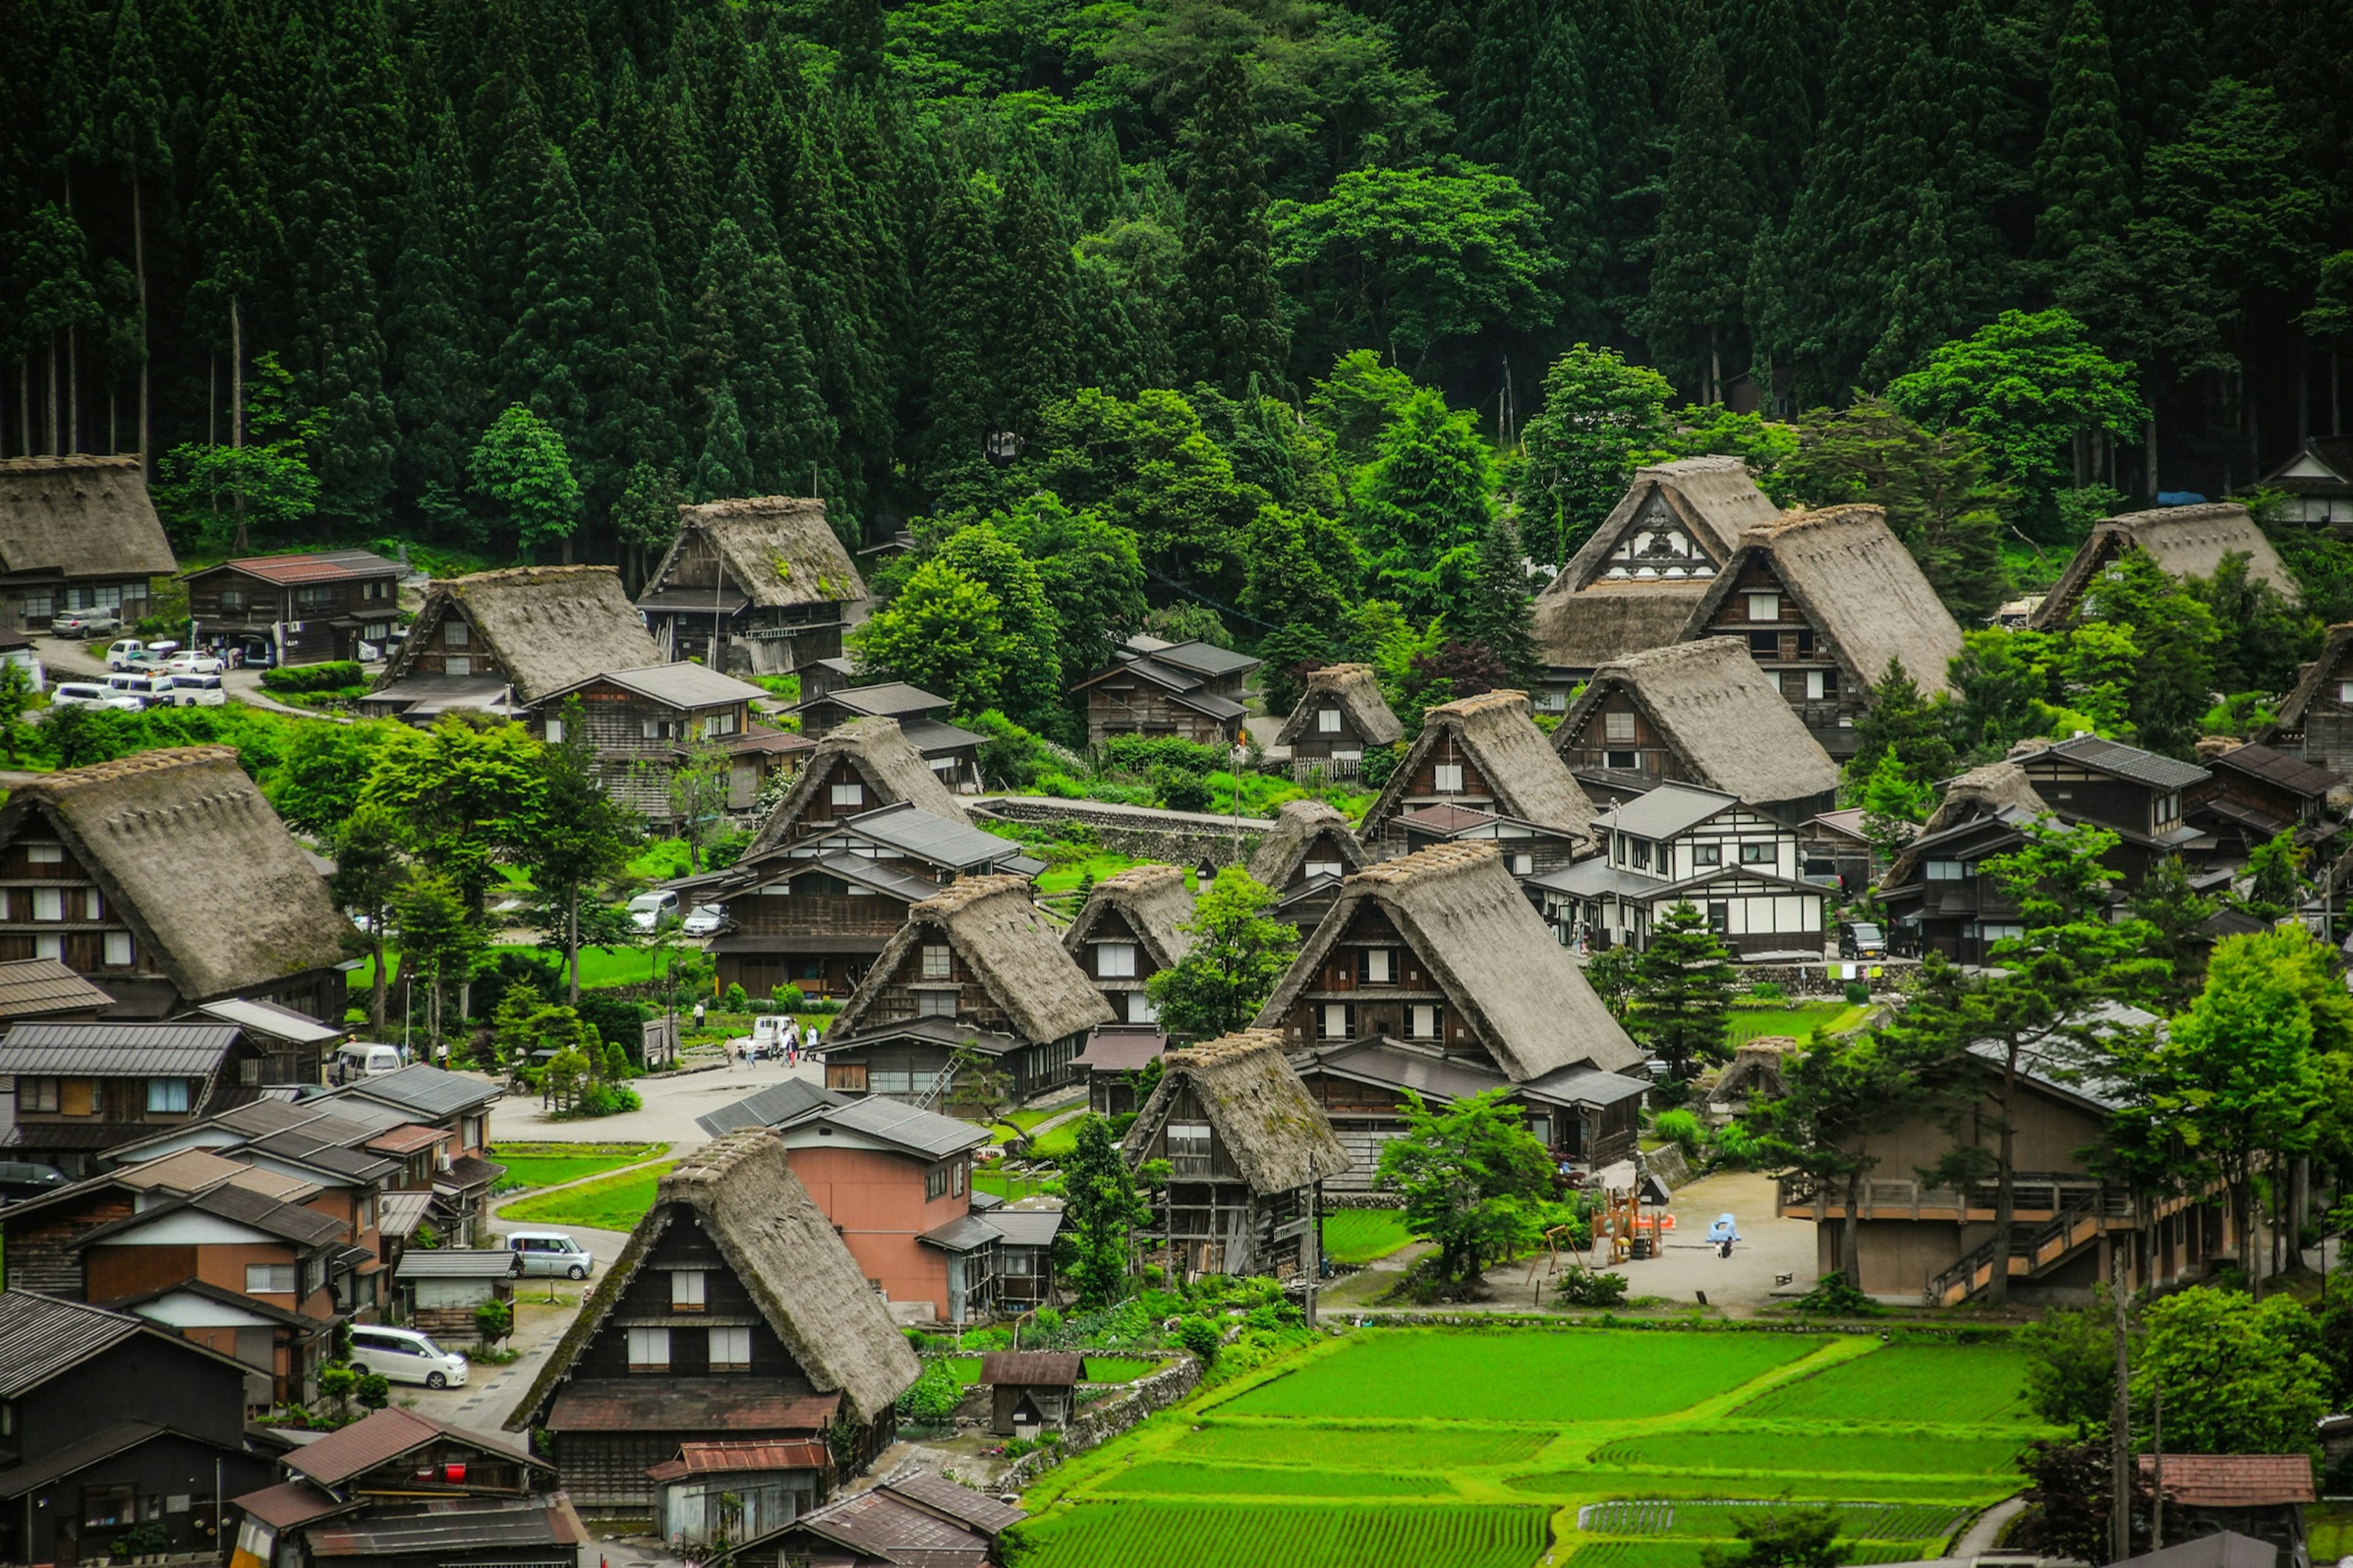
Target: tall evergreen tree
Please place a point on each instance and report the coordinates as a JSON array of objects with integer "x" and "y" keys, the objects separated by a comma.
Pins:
[
  {"x": 1229, "y": 308},
  {"x": 1035, "y": 322},
  {"x": 633, "y": 401},
  {"x": 1493, "y": 115},
  {"x": 1764, "y": 48},
  {"x": 1556, "y": 160},
  {"x": 434, "y": 373},
  {"x": 1699, "y": 260},
  {"x": 130, "y": 136},
  {"x": 2156, "y": 47},
  {"x": 1633, "y": 48},
  {"x": 541, "y": 365},
  {"x": 725, "y": 469},
  {"x": 1497, "y": 612},
  {"x": 960, "y": 278},
  {"x": 1923, "y": 307},
  {"x": 2080, "y": 169}
]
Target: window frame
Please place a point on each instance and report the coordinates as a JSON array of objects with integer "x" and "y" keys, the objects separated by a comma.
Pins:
[
  {"x": 1115, "y": 960},
  {"x": 736, "y": 1354},
  {"x": 644, "y": 1345},
  {"x": 689, "y": 1289},
  {"x": 1446, "y": 778}
]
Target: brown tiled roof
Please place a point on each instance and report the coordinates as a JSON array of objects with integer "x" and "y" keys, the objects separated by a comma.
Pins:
[
  {"x": 696, "y": 1403},
  {"x": 730, "y": 1458},
  {"x": 289, "y": 1504},
  {"x": 2234, "y": 1480},
  {"x": 386, "y": 1435},
  {"x": 958, "y": 1502},
  {"x": 409, "y": 1138},
  {"x": 1031, "y": 1368}
]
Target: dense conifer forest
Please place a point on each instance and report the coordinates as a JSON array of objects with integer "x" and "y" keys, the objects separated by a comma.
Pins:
[{"x": 1252, "y": 279}]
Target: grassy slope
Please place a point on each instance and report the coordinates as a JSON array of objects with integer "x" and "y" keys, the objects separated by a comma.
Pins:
[
  {"x": 530, "y": 1165},
  {"x": 616, "y": 1203}
]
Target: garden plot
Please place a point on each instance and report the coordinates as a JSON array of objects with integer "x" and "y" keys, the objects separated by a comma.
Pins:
[
  {"x": 1716, "y": 1518},
  {"x": 1949, "y": 1386},
  {"x": 1281, "y": 1535},
  {"x": 1790, "y": 1450},
  {"x": 1362, "y": 1447}
]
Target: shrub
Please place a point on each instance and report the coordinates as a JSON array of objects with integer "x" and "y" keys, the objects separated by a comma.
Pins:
[
  {"x": 1583, "y": 1287},
  {"x": 789, "y": 998},
  {"x": 735, "y": 1001},
  {"x": 374, "y": 1390},
  {"x": 1181, "y": 789},
  {"x": 494, "y": 1320},
  {"x": 147, "y": 1540},
  {"x": 1834, "y": 1296},
  {"x": 932, "y": 1399},
  {"x": 1857, "y": 993},
  {"x": 1142, "y": 754},
  {"x": 1679, "y": 1127},
  {"x": 1200, "y": 1336},
  {"x": 334, "y": 675},
  {"x": 1768, "y": 991}
]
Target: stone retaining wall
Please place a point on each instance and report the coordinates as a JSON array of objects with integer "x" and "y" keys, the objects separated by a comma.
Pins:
[
  {"x": 1180, "y": 839},
  {"x": 1829, "y": 979},
  {"x": 1099, "y": 1422}
]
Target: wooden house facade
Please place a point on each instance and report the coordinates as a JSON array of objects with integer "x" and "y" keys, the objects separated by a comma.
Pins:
[
  {"x": 857, "y": 767},
  {"x": 2319, "y": 484},
  {"x": 1701, "y": 713},
  {"x": 951, "y": 752},
  {"x": 298, "y": 609},
  {"x": 976, "y": 974},
  {"x": 1248, "y": 1150},
  {"x": 84, "y": 1089},
  {"x": 2315, "y": 722},
  {"x": 734, "y": 1313},
  {"x": 167, "y": 880},
  {"x": 2182, "y": 540},
  {"x": 1192, "y": 690},
  {"x": 1303, "y": 858},
  {"x": 1433, "y": 974},
  {"x": 504, "y": 642},
  {"x": 2252, "y": 794},
  {"x": 1340, "y": 716},
  {"x": 1130, "y": 929},
  {"x": 763, "y": 579},
  {"x": 77, "y": 533},
  {"x": 645, "y": 724},
  {"x": 1486, "y": 753}
]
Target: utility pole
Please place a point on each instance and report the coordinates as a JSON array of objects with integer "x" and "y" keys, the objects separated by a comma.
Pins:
[
  {"x": 2156, "y": 1470},
  {"x": 2120, "y": 1476}
]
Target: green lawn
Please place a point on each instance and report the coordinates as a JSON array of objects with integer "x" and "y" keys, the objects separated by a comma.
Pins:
[
  {"x": 1066, "y": 878},
  {"x": 1828, "y": 1017},
  {"x": 1359, "y": 1236},
  {"x": 616, "y": 1203},
  {"x": 598, "y": 965},
  {"x": 1621, "y": 1449},
  {"x": 1008, "y": 1187},
  {"x": 532, "y": 1165},
  {"x": 1116, "y": 1368}
]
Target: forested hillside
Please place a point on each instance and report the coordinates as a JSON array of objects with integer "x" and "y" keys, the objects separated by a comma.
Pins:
[{"x": 318, "y": 249}]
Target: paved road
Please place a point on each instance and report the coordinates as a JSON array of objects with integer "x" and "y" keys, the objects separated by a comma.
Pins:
[
  {"x": 672, "y": 1101},
  {"x": 75, "y": 659}
]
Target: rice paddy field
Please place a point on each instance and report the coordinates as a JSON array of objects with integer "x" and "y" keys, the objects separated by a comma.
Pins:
[
  {"x": 1516, "y": 1447},
  {"x": 1359, "y": 1236}
]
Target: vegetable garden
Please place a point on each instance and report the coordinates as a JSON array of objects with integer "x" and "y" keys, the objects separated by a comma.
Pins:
[{"x": 1602, "y": 1448}]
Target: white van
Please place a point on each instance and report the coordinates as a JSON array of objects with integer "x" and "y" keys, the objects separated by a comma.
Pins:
[
  {"x": 551, "y": 1252},
  {"x": 152, "y": 690},
  {"x": 364, "y": 1059},
  {"x": 119, "y": 655},
  {"x": 198, "y": 691},
  {"x": 90, "y": 694},
  {"x": 405, "y": 1355}
]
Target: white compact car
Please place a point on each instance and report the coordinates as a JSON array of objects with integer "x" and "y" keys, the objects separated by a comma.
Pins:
[
  {"x": 90, "y": 694},
  {"x": 404, "y": 1355},
  {"x": 192, "y": 663},
  {"x": 704, "y": 920}
]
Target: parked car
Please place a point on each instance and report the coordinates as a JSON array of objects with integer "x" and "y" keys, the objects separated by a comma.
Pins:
[
  {"x": 152, "y": 690},
  {"x": 1860, "y": 939},
  {"x": 90, "y": 694},
  {"x": 647, "y": 910},
  {"x": 405, "y": 1355},
  {"x": 85, "y": 624},
  {"x": 133, "y": 654},
  {"x": 551, "y": 1252},
  {"x": 192, "y": 663},
  {"x": 192, "y": 691},
  {"x": 364, "y": 1059},
  {"x": 704, "y": 920},
  {"x": 21, "y": 1179}
]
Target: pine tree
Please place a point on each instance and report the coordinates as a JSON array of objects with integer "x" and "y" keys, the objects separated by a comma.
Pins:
[
  {"x": 1923, "y": 307},
  {"x": 1497, "y": 612},
  {"x": 1765, "y": 83},
  {"x": 960, "y": 291},
  {"x": 1699, "y": 260},
  {"x": 236, "y": 235},
  {"x": 2080, "y": 169},
  {"x": 2157, "y": 49},
  {"x": 1555, "y": 163},
  {"x": 725, "y": 469},
  {"x": 1229, "y": 308},
  {"x": 131, "y": 116},
  {"x": 1683, "y": 991},
  {"x": 1035, "y": 323},
  {"x": 1493, "y": 115},
  {"x": 630, "y": 389},
  {"x": 434, "y": 372},
  {"x": 1631, "y": 45},
  {"x": 540, "y": 365}
]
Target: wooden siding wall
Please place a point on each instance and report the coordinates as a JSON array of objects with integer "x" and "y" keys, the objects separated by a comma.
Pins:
[
  {"x": 1380, "y": 1008},
  {"x": 646, "y": 1304},
  {"x": 1654, "y": 755},
  {"x": 1139, "y": 708},
  {"x": 1802, "y": 649}
]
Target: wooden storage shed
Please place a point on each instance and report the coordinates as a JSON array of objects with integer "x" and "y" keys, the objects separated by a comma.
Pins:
[{"x": 1031, "y": 1391}]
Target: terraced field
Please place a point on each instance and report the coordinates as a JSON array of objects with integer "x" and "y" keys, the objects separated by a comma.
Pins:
[{"x": 1501, "y": 1449}]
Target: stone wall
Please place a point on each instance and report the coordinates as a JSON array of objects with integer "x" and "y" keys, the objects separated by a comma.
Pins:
[
  {"x": 1830, "y": 979},
  {"x": 1104, "y": 1419},
  {"x": 1178, "y": 837}
]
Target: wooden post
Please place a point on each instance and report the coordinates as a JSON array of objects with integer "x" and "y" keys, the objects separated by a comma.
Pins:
[{"x": 2120, "y": 1475}]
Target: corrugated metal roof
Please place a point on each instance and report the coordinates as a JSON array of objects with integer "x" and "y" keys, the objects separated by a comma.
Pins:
[
  {"x": 923, "y": 1132},
  {"x": 1587, "y": 1086},
  {"x": 689, "y": 1404},
  {"x": 932, "y": 737},
  {"x": 1031, "y": 1367},
  {"x": 739, "y": 1458},
  {"x": 269, "y": 1019},
  {"x": 422, "y": 1090},
  {"x": 681, "y": 685},
  {"x": 407, "y": 1138},
  {"x": 453, "y": 1530},
  {"x": 41, "y": 1336},
  {"x": 2125, "y": 761},
  {"x": 1027, "y": 1228},
  {"x": 56, "y": 1465},
  {"x": 335, "y": 1159},
  {"x": 886, "y": 699},
  {"x": 1665, "y": 811},
  {"x": 317, "y": 567},
  {"x": 32, "y": 986},
  {"x": 385, "y": 1435},
  {"x": 458, "y": 1263},
  {"x": 962, "y": 1234},
  {"x": 2233, "y": 1481},
  {"x": 105, "y": 1047},
  {"x": 289, "y": 1504},
  {"x": 399, "y": 1214},
  {"x": 2274, "y": 767},
  {"x": 1204, "y": 658},
  {"x": 934, "y": 838},
  {"x": 771, "y": 1106}
]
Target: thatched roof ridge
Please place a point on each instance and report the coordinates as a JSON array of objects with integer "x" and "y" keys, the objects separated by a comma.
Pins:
[
  {"x": 1611, "y": 620},
  {"x": 895, "y": 774},
  {"x": 1279, "y": 855},
  {"x": 1494, "y": 729},
  {"x": 1714, "y": 496},
  {"x": 779, "y": 550},
  {"x": 1279, "y": 1137},
  {"x": 744, "y": 1195},
  {"x": 1155, "y": 902},
  {"x": 548, "y": 626},
  {"x": 185, "y": 849},
  {"x": 1492, "y": 953},
  {"x": 1353, "y": 690},
  {"x": 1017, "y": 955},
  {"x": 81, "y": 517},
  {"x": 1722, "y": 713},
  {"x": 2309, "y": 680},
  {"x": 2184, "y": 542},
  {"x": 1983, "y": 791},
  {"x": 1858, "y": 584}
]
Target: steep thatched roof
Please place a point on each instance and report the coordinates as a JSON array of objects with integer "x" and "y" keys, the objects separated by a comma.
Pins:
[
  {"x": 779, "y": 550},
  {"x": 1493, "y": 956},
  {"x": 1014, "y": 951},
  {"x": 1758, "y": 1070},
  {"x": 780, "y": 1244},
  {"x": 2184, "y": 542},
  {"x": 2310, "y": 678},
  {"x": 1351, "y": 689},
  {"x": 1493, "y": 730},
  {"x": 185, "y": 847},
  {"x": 1858, "y": 584},
  {"x": 548, "y": 626},
  {"x": 1611, "y": 620},
  {"x": 1723, "y": 715},
  {"x": 1297, "y": 826},
  {"x": 894, "y": 770},
  {"x": 1154, "y": 901},
  {"x": 1712, "y": 497},
  {"x": 79, "y": 516},
  {"x": 1279, "y": 1137},
  {"x": 1983, "y": 791}
]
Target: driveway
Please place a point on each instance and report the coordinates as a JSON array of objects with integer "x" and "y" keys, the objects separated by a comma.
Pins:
[
  {"x": 671, "y": 1102},
  {"x": 80, "y": 658}
]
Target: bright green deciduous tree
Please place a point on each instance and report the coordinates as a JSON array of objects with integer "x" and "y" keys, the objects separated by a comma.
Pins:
[
  {"x": 1933, "y": 485},
  {"x": 1423, "y": 505},
  {"x": 1602, "y": 419},
  {"x": 1472, "y": 1179},
  {"x": 1238, "y": 954},
  {"x": 2238, "y": 1376},
  {"x": 521, "y": 465},
  {"x": 583, "y": 837},
  {"x": 1029, "y": 689},
  {"x": 944, "y": 633}
]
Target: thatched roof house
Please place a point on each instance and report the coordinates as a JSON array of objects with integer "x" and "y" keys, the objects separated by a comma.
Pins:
[
  {"x": 1007, "y": 962},
  {"x": 735, "y": 1210},
  {"x": 1486, "y": 752},
  {"x": 768, "y": 571},
  {"x": 1277, "y": 1137},
  {"x": 1518, "y": 997},
  {"x": 1342, "y": 709},
  {"x": 865, "y": 764},
  {"x": 531, "y": 630},
  {"x": 1146, "y": 904},
  {"x": 1306, "y": 834},
  {"x": 199, "y": 891},
  {"x": 2315, "y": 722},
  {"x": 1697, "y": 713},
  {"x": 1634, "y": 583},
  {"x": 2184, "y": 542},
  {"x": 79, "y": 528}
]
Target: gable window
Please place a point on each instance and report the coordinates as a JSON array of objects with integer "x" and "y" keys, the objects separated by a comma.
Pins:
[
  {"x": 688, "y": 1290},
  {"x": 1947, "y": 870},
  {"x": 1446, "y": 778},
  {"x": 1757, "y": 854},
  {"x": 1140, "y": 1008},
  {"x": 1622, "y": 762},
  {"x": 232, "y": 601},
  {"x": 1707, "y": 854},
  {"x": 269, "y": 1279},
  {"x": 1814, "y": 685},
  {"x": 45, "y": 854},
  {"x": 49, "y": 903},
  {"x": 1763, "y": 606},
  {"x": 648, "y": 1349},
  {"x": 49, "y": 947},
  {"x": 455, "y": 633},
  {"x": 731, "y": 1350},
  {"x": 935, "y": 1183},
  {"x": 1336, "y": 1020},
  {"x": 1421, "y": 1021},
  {"x": 1376, "y": 967},
  {"x": 1188, "y": 1147},
  {"x": 936, "y": 1003},
  {"x": 849, "y": 795},
  {"x": 2345, "y": 692},
  {"x": 1327, "y": 722},
  {"x": 1618, "y": 727},
  {"x": 1323, "y": 868},
  {"x": 1115, "y": 960},
  {"x": 936, "y": 956},
  {"x": 457, "y": 664},
  {"x": 168, "y": 1096},
  {"x": 1523, "y": 865}
]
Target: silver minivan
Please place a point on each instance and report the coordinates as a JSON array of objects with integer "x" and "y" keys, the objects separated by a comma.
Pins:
[{"x": 551, "y": 1252}]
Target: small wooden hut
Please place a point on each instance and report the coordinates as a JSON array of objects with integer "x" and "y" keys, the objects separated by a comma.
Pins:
[{"x": 1031, "y": 1391}]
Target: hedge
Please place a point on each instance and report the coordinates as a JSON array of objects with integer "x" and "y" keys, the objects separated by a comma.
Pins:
[{"x": 332, "y": 676}]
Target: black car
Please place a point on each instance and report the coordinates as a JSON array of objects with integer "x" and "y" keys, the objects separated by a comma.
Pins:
[
  {"x": 20, "y": 1180},
  {"x": 1860, "y": 939}
]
